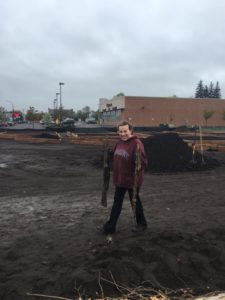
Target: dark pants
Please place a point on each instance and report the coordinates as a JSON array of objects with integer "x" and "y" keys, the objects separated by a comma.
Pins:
[{"x": 110, "y": 225}]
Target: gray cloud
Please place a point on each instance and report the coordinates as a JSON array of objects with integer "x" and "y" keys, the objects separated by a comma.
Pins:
[{"x": 99, "y": 48}]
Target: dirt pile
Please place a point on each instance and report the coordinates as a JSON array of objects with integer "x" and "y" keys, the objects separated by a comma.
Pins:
[
  {"x": 46, "y": 135},
  {"x": 167, "y": 152}
]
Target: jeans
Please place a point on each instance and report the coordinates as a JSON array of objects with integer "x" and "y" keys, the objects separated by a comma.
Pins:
[{"x": 110, "y": 225}]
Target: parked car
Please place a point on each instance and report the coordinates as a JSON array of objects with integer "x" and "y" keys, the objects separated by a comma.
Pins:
[
  {"x": 68, "y": 122},
  {"x": 91, "y": 121},
  {"x": 6, "y": 124}
]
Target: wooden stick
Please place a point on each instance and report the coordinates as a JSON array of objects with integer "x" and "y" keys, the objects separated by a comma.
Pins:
[
  {"x": 47, "y": 296},
  {"x": 106, "y": 173},
  {"x": 200, "y": 133},
  {"x": 135, "y": 187}
]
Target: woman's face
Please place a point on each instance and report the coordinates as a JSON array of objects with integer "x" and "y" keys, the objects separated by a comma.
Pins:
[{"x": 124, "y": 132}]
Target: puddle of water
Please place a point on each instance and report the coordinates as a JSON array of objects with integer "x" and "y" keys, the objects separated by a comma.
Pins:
[{"x": 3, "y": 165}]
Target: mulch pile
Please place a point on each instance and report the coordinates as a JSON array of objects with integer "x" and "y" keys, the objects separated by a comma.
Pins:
[
  {"x": 46, "y": 136},
  {"x": 167, "y": 152}
]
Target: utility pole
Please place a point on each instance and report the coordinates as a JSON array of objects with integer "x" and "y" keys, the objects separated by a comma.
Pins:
[
  {"x": 54, "y": 104},
  {"x": 60, "y": 93},
  {"x": 57, "y": 94},
  {"x": 60, "y": 100}
]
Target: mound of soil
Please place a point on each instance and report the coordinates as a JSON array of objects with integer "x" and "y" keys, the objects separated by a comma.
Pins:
[
  {"x": 46, "y": 135},
  {"x": 167, "y": 152}
]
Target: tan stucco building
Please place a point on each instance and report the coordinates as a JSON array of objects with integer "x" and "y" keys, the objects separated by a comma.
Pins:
[{"x": 153, "y": 111}]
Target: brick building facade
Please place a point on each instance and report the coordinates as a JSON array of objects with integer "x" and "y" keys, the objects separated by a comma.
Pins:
[{"x": 153, "y": 111}]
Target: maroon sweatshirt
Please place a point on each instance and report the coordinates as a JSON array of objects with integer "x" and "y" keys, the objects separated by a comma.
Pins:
[{"x": 124, "y": 163}]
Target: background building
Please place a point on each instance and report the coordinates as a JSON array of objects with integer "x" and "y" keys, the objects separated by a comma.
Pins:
[{"x": 153, "y": 111}]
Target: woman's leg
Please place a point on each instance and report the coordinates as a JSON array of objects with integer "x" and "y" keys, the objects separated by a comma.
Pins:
[
  {"x": 110, "y": 225},
  {"x": 140, "y": 217}
]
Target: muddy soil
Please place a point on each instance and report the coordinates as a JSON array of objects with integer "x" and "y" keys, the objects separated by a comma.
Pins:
[{"x": 50, "y": 207}]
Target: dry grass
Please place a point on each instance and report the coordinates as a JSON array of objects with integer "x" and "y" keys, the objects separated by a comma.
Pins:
[{"x": 127, "y": 293}]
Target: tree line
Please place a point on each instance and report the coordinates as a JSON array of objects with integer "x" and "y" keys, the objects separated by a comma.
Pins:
[
  {"x": 61, "y": 113},
  {"x": 33, "y": 115},
  {"x": 205, "y": 91}
]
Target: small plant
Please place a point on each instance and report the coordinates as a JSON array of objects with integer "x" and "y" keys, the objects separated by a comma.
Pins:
[{"x": 207, "y": 114}]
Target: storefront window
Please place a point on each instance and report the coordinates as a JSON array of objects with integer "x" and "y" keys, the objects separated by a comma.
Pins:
[{"x": 111, "y": 115}]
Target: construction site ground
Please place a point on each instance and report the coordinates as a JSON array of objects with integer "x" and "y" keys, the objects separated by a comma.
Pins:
[{"x": 51, "y": 205}]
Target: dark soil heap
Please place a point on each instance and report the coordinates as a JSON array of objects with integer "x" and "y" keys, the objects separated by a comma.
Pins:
[
  {"x": 167, "y": 152},
  {"x": 45, "y": 135}
]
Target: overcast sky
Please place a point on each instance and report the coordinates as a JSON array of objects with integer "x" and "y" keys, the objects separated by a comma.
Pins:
[{"x": 99, "y": 48}]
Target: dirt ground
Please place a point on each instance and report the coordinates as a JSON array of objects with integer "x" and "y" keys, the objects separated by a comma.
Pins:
[{"x": 50, "y": 207}]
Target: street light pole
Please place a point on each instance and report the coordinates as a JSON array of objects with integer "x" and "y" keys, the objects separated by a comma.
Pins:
[
  {"x": 60, "y": 93},
  {"x": 60, "y": 101},
  {"x": 57, "y": 94},
  {"x": 54, "y": 103}
]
